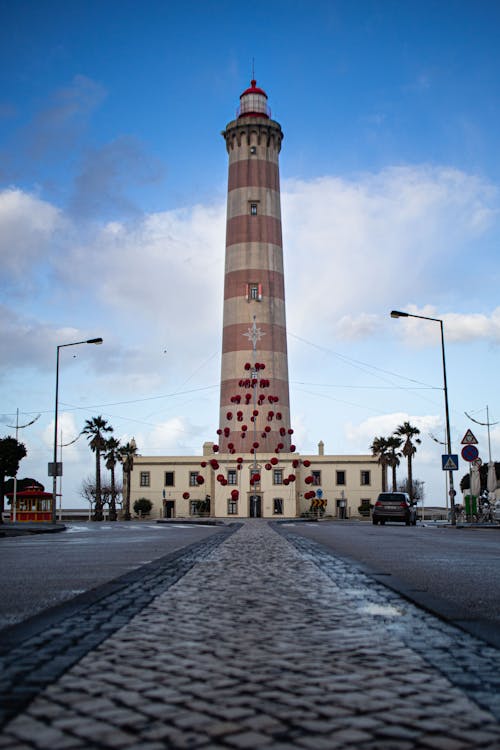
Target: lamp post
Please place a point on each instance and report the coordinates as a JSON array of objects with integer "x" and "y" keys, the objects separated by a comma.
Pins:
[
  {"x": 53, "y": 470},
  {"x": 399, "y": 314}
]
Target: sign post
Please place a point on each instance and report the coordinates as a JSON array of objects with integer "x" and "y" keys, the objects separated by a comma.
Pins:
[{"x": 471, "y": 454}]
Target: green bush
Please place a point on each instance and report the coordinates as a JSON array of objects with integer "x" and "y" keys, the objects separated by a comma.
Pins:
[{"x": 142, "y": 507}]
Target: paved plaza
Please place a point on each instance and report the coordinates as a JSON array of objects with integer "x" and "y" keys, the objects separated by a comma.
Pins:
[{"x": 253, "y": 638}]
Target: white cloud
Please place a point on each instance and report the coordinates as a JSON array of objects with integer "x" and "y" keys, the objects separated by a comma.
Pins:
[
  {"x": 458, "y": 327},
  {"x": 354, "y": 246},
  {"x": 176, "y": 436},
  {"x": 351, "y": 247},
  {"x": 362, "y": 434},
  {"x": 163, "y": 274},
  {"x": 27, "y": 225},
  {"x": 352, "y": 327},
  {"x": 30, "y": 342},
  {"x": 69, "y": 431}
]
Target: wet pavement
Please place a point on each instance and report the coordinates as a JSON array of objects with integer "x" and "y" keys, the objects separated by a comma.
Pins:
[{"x": 253, "y": 638}]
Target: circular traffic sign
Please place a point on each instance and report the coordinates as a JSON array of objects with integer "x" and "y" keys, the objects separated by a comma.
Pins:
[
  {"x": 470, "y": 452},
  {"x": 477, "y": 462}
]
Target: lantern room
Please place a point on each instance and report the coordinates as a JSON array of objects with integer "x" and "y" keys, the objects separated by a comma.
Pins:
[{"x": 253, "y": 102}]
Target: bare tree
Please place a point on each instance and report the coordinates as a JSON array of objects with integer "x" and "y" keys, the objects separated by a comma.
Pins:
[{"x": 89, "y": 493}]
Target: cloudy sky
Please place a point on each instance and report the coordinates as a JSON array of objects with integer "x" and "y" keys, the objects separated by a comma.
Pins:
[{"x": 112, "y": 217}]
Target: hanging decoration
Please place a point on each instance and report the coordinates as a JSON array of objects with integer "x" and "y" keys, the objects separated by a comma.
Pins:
[{"x": 246, "y": 426}]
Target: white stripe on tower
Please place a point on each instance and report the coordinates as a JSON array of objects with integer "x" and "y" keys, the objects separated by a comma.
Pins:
[{"x": 254, "y": 281}]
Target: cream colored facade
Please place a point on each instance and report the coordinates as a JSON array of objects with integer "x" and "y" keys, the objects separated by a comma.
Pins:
[{"x": 171, "y": 484}]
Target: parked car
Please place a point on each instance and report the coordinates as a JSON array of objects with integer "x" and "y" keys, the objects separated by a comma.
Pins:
[{"x": 394, "y": 506}]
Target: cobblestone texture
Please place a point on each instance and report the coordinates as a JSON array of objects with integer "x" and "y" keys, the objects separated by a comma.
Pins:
[
  {"x": 270, "y": 641},
  {"x": 41, "y": 659}
]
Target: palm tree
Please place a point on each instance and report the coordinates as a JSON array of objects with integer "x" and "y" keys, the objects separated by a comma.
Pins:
[
  {"x": 408, "y": 431},
  {"x": 393, "y": 445},
  {"x": 127, "y": 453},
  {"x": 112, "y": 456},
  {"x": 380, "y": 449},
  {"x": 94, "y": 428}
]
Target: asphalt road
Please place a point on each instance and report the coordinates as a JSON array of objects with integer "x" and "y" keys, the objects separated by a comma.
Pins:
[
  {"x": 47, "y": 569},
  {"x": 454, "y": 572}
]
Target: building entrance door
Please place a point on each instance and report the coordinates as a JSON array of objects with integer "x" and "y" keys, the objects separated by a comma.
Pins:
[
  {"x": 341, "y": 509},
  {"x": 169, "y": 508},
  {"x": 255, "y": 506}
]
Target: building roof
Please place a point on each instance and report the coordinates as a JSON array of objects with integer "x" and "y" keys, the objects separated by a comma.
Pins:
[{"x": 253, "y": 89}]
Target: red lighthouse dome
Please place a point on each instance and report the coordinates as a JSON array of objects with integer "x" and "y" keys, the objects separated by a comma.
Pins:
[{"x": 253, "y": 102}]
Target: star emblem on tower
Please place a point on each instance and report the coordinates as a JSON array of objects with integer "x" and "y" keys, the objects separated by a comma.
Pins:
[{"x": 254, "y": 334}]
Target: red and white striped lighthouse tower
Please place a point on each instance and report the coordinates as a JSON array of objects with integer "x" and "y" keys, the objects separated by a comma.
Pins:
[{"x": 254, "y": 323}]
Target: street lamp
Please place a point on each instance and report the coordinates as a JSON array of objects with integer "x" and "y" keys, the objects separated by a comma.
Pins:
[
  {"x": 399, "y": 314},
  {"x": 54, "y": 470}
]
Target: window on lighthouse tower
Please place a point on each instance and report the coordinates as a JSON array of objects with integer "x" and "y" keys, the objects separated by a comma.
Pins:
[
  {"x": 253, "y": 209},
  {"x": 254, "y": 292}
]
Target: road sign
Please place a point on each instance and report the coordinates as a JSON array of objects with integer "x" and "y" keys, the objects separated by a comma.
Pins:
[
  {"x": 316, "y": 503},
  {"x": 477, "y": 462},
  {"x": 469, "y": 438},
  {"x": 449, "y": 461},
  {"x": 55, "y": 469},
  {"x": 470, "y": 452},
  {"x": 319, "y": 493}
]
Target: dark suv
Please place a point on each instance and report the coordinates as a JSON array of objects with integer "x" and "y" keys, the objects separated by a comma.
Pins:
[{"x": 394, "y": 506}]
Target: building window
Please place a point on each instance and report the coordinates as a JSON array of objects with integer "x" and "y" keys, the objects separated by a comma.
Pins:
[
  {"x": 232, "y": 476},
  {"x": 253, "y": 209},
  {"x": 192, "y": 479},
  {"x": 254, "y": 472},
  {"x": 254, "y": 292},
  {"x": 278, "y": 476},
  {"x": 340, "y": 477},
  {"x": 278, "y": 506},
  {"x": 144, "y": 479},
  {"x": 169, "y": 479},
  {"x": 365, "y": 478},
  {"x": 232, "y": 507},
  {"x": 316, "y": 475}
]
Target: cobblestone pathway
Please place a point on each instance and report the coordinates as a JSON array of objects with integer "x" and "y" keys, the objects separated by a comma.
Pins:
[{"x": 269, "y": 641}]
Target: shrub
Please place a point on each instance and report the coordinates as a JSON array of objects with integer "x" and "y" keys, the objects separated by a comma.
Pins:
[{"x": 142, "y": 507}]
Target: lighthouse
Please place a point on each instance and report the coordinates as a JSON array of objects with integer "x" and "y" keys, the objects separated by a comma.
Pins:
[
  {"x": 254, "y": 469},
  {"x": 254, "y": 342}
]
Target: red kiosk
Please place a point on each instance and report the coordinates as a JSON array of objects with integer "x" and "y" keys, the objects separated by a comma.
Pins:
[{"x": 32, "y": 504}]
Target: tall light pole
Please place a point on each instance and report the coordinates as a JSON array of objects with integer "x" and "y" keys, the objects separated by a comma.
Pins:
[
  {"x": 53, "y": 470},
  {"x": 399, "y": 314}
]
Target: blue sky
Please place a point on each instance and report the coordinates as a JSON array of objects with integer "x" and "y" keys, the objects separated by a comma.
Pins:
[{"x": 112, "y": 216}]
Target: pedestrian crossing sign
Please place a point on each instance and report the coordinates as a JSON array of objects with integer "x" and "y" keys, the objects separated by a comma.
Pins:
[{"x": 449, "y": 461}]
